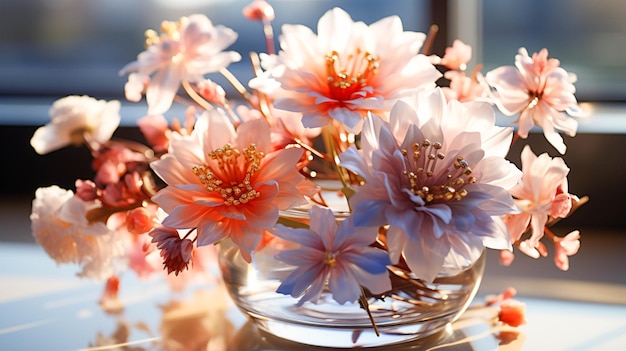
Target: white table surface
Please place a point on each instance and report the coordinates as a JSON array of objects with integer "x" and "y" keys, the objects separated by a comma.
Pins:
[{"x": 46, "y": 307}]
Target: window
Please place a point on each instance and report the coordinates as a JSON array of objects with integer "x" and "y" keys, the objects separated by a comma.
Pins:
[
  {"x": 588, "y": 37},
  {"x": 51, "y": 49}
]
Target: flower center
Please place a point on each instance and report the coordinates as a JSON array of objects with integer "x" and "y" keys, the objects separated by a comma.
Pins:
[
  {"x": 445, "y": 186},
  {"x": 330, "y": 258},
  {"x": 345, "y": 77},
  {"x": 169, "y": 31},
  {"x": 231, "y": 178}
]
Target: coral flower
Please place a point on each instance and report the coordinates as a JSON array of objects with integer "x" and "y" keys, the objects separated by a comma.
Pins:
[
  {"x": 541, "y": 193},
  {"x": 185, "y": 51},
  {"x": 337, "y": 254},
  {"x": 439, "y": 178},
  {"x": 227, "y": 183},
  {"x": 541, "y": 91},
  {"x": 346, "y": 70},
  {"x": 73, "y": 118}
]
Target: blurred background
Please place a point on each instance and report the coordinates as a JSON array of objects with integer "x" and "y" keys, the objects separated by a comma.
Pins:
[{"x": 50, "y": 49}]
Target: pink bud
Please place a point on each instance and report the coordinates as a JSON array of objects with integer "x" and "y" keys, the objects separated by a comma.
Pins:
[
  {"x": 259, "y": 10},
  {"x": 86, "y": 190},
  {"x": 139, "y": 220},
  {"x": 506, "y": 257}
]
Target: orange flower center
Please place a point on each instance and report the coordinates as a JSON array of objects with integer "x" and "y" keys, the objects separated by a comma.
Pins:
[
  {"x": 330, "y": 259},
  {"x": 421, "y": 162},
  {"x": 347, "y": 76},
  {"x": 232, "y": 176}
]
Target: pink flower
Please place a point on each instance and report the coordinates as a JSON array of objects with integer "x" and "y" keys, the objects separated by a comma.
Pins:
[
  {"x": 227, "y": 183},
  {"x": 457, "y": 56},
  {"x": 72, "y": 119},
  {"x": 185, "y": 51},
  {"x": 337, "y": 254},
  {"x": 437, "y": 175},
  {"x": 541, "y": 91},
  {"x": 564, "y": 247},
  {"x": 60, "y": 225},
  {"x": 345, "y": 71},
  {"x": 538, "y": 195}
]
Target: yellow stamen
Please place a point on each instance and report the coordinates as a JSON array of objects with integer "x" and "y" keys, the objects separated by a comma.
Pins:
[
  {"x": 330, "y": 259},
  {"x": 358, "y": 69},
  {"x": 230, "y": 180},
  {"x": 169, "y": 31},
  {"x": 421, "y": 163}
]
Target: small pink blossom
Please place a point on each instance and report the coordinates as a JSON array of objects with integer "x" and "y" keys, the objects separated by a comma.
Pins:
[
  {"x": 564, "y": 247},
  {"x": 338, "y": 254},
  {"x": 345, "y": 70},
  {"x": 457, "y": 56},
  {"x": 542, "y": 192},
  {"x": 259, "y": 10},
  {"x": 184, "y": 51},
  {"x": 74, "y": 118},
  {"x": 541, "y": 91}
]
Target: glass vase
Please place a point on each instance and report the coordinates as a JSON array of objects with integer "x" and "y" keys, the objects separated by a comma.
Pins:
[{"x": 412, "y": 310}]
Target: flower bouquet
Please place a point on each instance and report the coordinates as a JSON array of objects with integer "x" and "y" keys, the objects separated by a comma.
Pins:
[{"x": 356, "y": 169}]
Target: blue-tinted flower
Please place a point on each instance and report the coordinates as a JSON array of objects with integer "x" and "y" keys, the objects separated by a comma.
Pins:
[
  {"x": 436, "y": 174},
  {"x": 335, "y": 254}
]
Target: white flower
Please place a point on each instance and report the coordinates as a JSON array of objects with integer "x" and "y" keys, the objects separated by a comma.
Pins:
[
  {"x": 72, "y": 117},
  {"x": 60, "y": 225}
]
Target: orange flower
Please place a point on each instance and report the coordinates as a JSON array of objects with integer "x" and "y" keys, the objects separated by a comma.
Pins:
[
  {"x": 227, "y": 183},
  {"x": 345, "y": 71}
]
